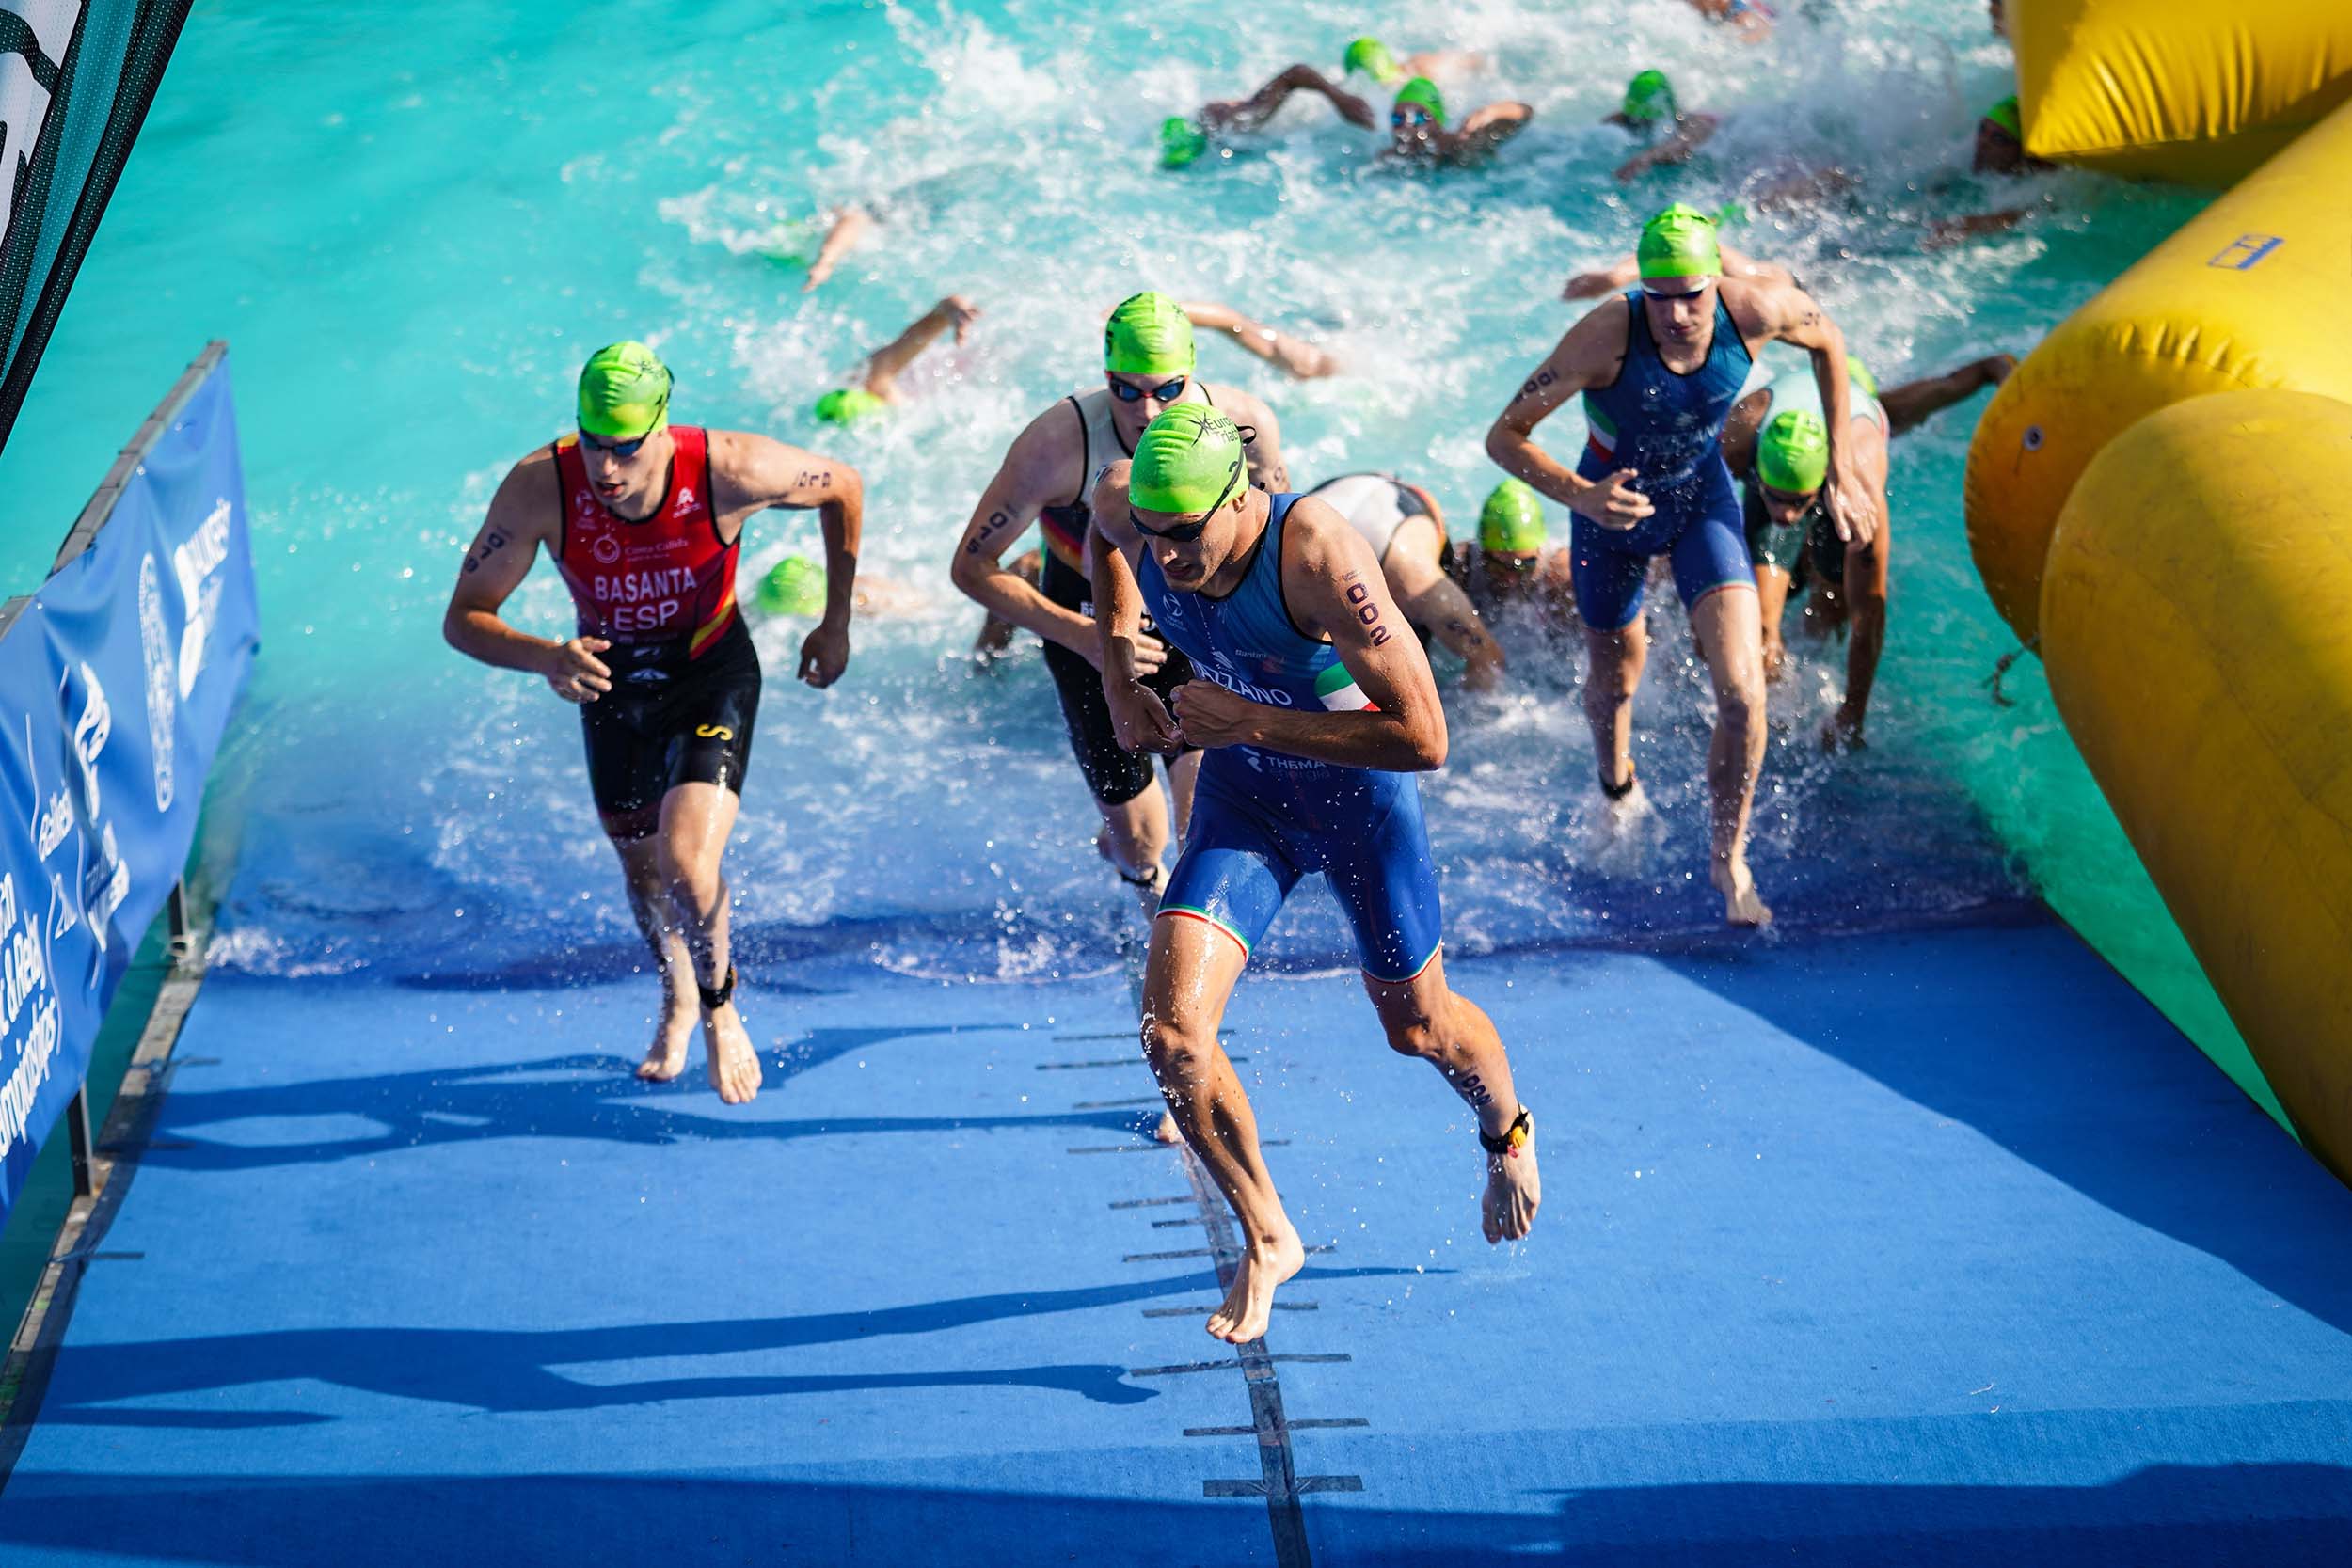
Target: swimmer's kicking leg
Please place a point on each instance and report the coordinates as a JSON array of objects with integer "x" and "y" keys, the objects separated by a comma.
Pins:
[
  {"x": 696, "y": 820},
  {"x": 1426, "y": 1018},
  {"x": 634, "y": 842},
  {"x": 1193, "y": 969}
]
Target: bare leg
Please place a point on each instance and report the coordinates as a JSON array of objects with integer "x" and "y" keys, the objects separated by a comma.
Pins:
[
  {"x": 1612, "y": 672},
  {"x": 1771, "y": 595},
  {"x": 649, "y": 901},
  {"x": 1426, "y": 1018},
  {"x": 1191, "y": 975},
  {"x": 695, "y": 821},
  {"x": 1915, "y": 401},
  {"x": 1725, "y": 622}
]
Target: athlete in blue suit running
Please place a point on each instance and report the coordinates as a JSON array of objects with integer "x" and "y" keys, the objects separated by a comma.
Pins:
[
  {"x": 1314, "y": 705},
  {"x": 1658, "y": 372}
]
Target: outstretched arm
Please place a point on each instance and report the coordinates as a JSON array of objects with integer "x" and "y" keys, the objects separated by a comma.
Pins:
[
  {"x": 853, "y": 225},
  {"x": 1489, "y": 128},
  {"x": 1287, "y": 353},
  {"x": 751, "y": 473},
  {"x": 1248, "y": 113},
  {"x": 891, "y": 360},
  {"x": 1444, "y": 62},
  {"x": 1915, "y": 401},
  {"x": 1943, "y": 233},
  {"x": 1690, "y": 133}
]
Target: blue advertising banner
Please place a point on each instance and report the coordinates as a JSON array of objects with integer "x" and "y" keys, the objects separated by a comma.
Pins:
[{"x": 116, "y": 684}]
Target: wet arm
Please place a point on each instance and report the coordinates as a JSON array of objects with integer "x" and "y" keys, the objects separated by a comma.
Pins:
[
  {"x": 851, "y": 226},
  {"x": 495, "y": 566},
  {"x": 1249, "y": 113},
  {"x": 1285, "y": 353},
  {"x": 1587, "y": 354},
  {"x": 891, "y": 360},
  {"x": 1034, "y": 475},
  {"x": 758, "y": 473}
]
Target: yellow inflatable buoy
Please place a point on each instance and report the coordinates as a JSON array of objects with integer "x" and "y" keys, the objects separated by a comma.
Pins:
[
  {"x": 2194, "y": 627},
  {"x": 2178, "y": 89},
  {"x": 2248, "y": 293}
]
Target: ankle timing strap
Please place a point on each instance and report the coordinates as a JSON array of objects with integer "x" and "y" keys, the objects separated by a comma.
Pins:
[
  {"x": 1619, "y": 792},
  {"x": 1515, "y": 1137},
  {"x": 718, "y": 996},
  {"x": 1148, "y": 883}
]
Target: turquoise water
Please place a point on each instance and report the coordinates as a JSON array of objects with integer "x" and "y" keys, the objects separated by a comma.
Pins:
[{"x": 412, "y": 232}]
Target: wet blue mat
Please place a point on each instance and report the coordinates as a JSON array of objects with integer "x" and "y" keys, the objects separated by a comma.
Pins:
[{"x": 1893, "y": 1248}]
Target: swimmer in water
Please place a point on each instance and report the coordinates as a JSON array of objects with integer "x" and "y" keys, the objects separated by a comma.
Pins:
[
  {"x": 851, "y": 226},
  {"x": 1148, "y": 366},
  {"x": 644, "y": 523},
  {"x": 1776, "y": 445},
  {"x": 1751, "y": 19},
  {"x": 1510, "y": 571},
  {"x": 1314, "y": 707},
  {"x": 1651, "y": 110},
  {"x": 1406, "y": 529},
  {"x": 875, "y": 389},
  {"x": 1294, "y": 357},
  {"x": 1418, "y": 131},
  {"x": 2000, "y": 151},
  {"x": 1659, "y": 372},
  {"x": 1182, "y": 140}
]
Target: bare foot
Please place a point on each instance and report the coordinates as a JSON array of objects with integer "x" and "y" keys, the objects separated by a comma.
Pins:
[
  {"x": 1167, "y": 1132},
  {"x": 734, "y": 1065},
  {"x": 1742, "y": 906},
  {"x": 1250, "y": 1302},
  {"x": 1513, "y": 1191},
  {"x": 666, "y": 1057}
]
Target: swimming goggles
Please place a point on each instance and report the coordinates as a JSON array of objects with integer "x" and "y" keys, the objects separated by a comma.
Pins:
[
  {"x": 1185, "y": 533},
  {"x": 623, "y": 450},
  {"x": 1168, "y": 391}
]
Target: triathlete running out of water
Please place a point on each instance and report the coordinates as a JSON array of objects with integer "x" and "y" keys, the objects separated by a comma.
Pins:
[
  {"x": 1777, "y": 443},
  {"x": 1148, "y": 366},
  {"x": 1183, "y": 140},
  {"x": 1659, "y": 372},
  {"x": 875, "y": 389},
  {"x": 1315, "y": 706},
  {"x": 645, "y": 521},
  {"x": 1406, "y": 529}
]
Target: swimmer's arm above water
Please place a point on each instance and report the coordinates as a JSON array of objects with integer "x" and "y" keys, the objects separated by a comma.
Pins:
[
  {"x": 1247, "y": 113},
  {"x": 1279, "y": 349},
  {"x": 1589, "y": 356},
  {"x": 891, "y": 360},
  {"x": 1488, "y": 128},
  {"x": 1333, "y": 587},
  {"x": 1786, "y": 313},
  {"x": 750, "y": 473},
  {"x": 523, "y": 516},
  {"x": 853, "y": 225},
  {"x": 1691, "y": 132}
]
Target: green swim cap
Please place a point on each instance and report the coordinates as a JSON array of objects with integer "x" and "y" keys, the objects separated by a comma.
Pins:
[
  {"x": 1792, "y": 454},
  {"x": 1186, "y": 460},
  {"x": 2004, "y": 115},
  {"x": 1372, "y": 57},
  {"x": 1181, "y": 142},
  {"x": 1424, "y": 91},
  {"x": 1513, "y": 518},
  {"x": 1649, "y": 97},
  {"x": 624, "y": 392},
  {"x": 1148, "y": 334},
  {"x": 1680, "y": 243},
  {"x": 849, "y": 404},
  {"x": 1859, "y": 374},
  {"x": 793, "y": 586}
]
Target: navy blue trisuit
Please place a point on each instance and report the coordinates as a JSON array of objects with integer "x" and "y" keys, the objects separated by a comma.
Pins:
[{"x": 1263, "y": 819}]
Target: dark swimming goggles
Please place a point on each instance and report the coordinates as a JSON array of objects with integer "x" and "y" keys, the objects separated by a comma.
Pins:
[
  {"x": 1127, "y": 391},
  {"x": 1185, "y": 533},
  {"x": 623, "y": 450}
]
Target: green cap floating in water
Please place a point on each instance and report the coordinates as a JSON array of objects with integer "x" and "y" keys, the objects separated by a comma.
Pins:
[
  {"x": 1424, "y": 91},
  {"x": 793, "y": 586},
  {"x": 1680, "y": 243},
  {"x": 1649, "y": 97},
  {"x": 1511, "y": 520},
  {"x": 849, "y": 404},
  {"x": 2004, "y": 115},
  {"x": 624, "y": 392},
  {"x": 1859, "y": 374},
  {"x": 1792, "y": 454},
  {"x": 1187, "y": 461},
  {"x": 1372, "y": 57},
  {"x": 1181, "y": 142},
  {"x": 1148, "y": 334}
]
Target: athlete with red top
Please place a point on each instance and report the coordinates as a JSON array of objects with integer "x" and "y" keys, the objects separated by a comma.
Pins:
[{"x": 645, "y": 521}]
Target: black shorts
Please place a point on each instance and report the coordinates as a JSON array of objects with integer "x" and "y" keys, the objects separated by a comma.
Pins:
[
  {"x": 665, "y": 724},
  {"x": 1114, "y": 775}
]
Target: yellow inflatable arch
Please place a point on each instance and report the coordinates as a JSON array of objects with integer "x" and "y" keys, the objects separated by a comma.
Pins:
[{"x": 2162, "y": 494}]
